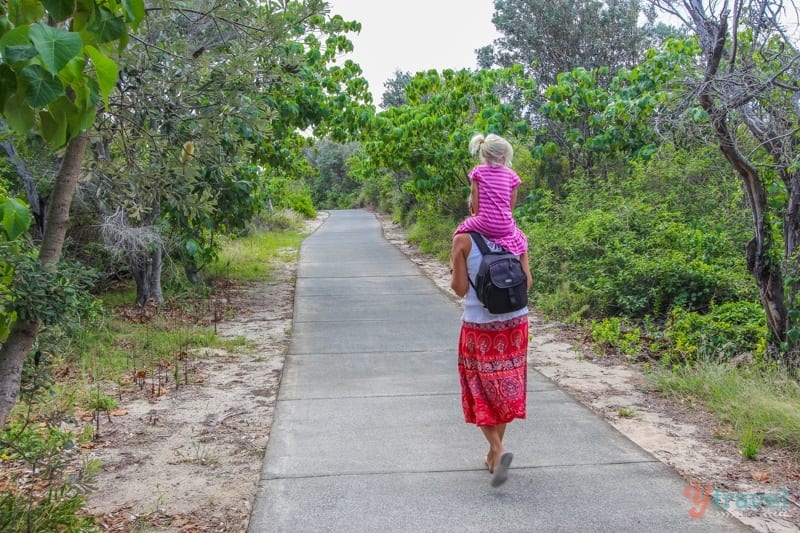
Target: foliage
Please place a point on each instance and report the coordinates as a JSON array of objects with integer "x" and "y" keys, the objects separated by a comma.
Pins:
[
  {"x": 590, "y": 34},
  {"x": 727, "y": 330},
  {"x": 587, "y": 120},
  {"x": 750, "y": 443},
  {"x": 394, "y": 94},
  {"x": 45, "y": 449},
  {"x": 433, "y": 233},
  {"x": 49, "y": 297},
  {"x": 53, "y": 77},
  {"x": 744, "y": 87},
  {"x": 759, "y": 398},
  {"x": 283, "y": 193},
  {"x": 616, "y": 334},
  {"x": 667, "y": 234},
  {"x": 251, "y": 258},
  {"x": 200, "y": 165},
  {"x": 423, "y": 144},
  {"x": 58, "y": 510},
  {"x": 14, "y": 221},
  {"x": 332, "y": 187}
]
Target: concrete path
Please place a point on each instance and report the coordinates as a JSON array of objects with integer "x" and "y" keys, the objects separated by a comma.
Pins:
[{"x": 368, "y": 432}]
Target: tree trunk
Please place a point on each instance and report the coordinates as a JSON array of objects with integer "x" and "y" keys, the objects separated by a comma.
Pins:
[
  {"x": 766, "y": 271},
  {"x": 147, "y": 275},
  {"x": 141, "y": 270},
  {"x": 23, "y": 334},
  {"x": 34, "y": 200},
  {"x": 156, "y": 259},
  {"x": 192, "y": 273}
]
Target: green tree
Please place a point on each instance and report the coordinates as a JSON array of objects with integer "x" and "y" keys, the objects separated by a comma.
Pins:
[
  {"x": 55, "y": 69},
  {"x": 332, "y": 187},
  {"x": 394, "y": 90},
  {"x": 589, "y": 123},
  {"x": 427, "y": 138},
  {"x": 223, "y": 98},
  {"x": 550, "y": 37},
  {"x": 746, "y": 86}
]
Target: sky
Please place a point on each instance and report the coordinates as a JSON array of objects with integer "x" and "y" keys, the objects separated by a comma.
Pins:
[{"x": 415, "y": 35}]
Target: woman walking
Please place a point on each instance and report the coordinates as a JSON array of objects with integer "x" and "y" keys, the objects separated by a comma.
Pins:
[{"x": 492, "y": 357}]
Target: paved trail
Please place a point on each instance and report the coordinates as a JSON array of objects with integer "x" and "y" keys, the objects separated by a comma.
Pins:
[{"x": 368, "y": 433}]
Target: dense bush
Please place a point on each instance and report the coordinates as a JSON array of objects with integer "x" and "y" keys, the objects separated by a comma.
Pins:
[
  {"x": 433, "y": 233},
  {"x": 284, "y": 193},
  {"x": 669, "y": 233},
  {"x": 726, "y": 331}
]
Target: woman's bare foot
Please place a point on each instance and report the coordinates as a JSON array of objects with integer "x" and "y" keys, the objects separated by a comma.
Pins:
[{"x": 492, "y": 458}]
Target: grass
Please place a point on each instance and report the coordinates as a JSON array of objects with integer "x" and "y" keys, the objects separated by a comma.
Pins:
[
  {"x": 758, "y": 402},
  {"x": 121, "y": 345},
  {"x": 250, "y": 258},
  {"x": 124, "y": 345},
  {"x": 750, "y": 443},
  {"x": 87, "y": 364},
  {"x": 114, "y": 347}
]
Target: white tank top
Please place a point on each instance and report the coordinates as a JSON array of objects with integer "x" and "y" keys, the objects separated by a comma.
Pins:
[{"x": 474, "y": 311}]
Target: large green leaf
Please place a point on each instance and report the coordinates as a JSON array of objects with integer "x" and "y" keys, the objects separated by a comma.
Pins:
[
  {"x": 107, "y": 71},
  {"x": 18, "y": 114},
  {"x": 23, "y": 12},
  {"x": 64, "y": 113},
  {"x": 135, "y": 11},
  {"x": 16, "y": 54},
  {"x": 53, "y": 125},
  {"x": 15, "y": 37},
  {"x": 72, "y": 73},
  {"x": 87, "y": 94},
  {"x": 43, "y": 86},
  {"x": 56, "y": 46},
  {"x": 15, "y": 218},
  {"x": 79, "y": 118},
  {"x": 8, "y": 84},
  {"x": 60, "y": 9},
  {"x": 106, "y": 26}
]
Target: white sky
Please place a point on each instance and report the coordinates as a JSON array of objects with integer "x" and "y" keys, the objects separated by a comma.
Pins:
[{"x": 415, "y": 35}]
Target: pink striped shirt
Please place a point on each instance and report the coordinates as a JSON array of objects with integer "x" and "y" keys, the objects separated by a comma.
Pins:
[{"x": 494, "y": 219}]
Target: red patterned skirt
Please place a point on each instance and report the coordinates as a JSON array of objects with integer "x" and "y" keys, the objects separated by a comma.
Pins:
[{"x": 492, "y": 365}]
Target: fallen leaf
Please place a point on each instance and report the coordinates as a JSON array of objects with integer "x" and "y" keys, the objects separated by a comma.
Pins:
[{"x": 762, "y": 477}]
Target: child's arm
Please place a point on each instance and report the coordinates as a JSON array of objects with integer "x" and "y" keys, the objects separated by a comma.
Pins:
[
  {"x": 473, "y": 198},
  {"x": 513, "y": 198}
]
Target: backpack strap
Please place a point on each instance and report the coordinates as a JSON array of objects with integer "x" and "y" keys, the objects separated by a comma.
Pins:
[{"x": 477, "y": 238}]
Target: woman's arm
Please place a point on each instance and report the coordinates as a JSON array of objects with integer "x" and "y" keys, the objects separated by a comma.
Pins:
[
  {"x": 459, "y": 282},
  {"x": 526, "y": 268}
]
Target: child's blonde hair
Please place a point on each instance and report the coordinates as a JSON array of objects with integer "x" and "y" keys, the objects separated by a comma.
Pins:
[{"x": 492, "y": 149}]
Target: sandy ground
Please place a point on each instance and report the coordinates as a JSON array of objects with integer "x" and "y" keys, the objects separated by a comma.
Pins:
[{"x": 189, "y": 460}]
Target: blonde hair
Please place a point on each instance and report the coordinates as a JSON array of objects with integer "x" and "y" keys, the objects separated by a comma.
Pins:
[{"x": 492, "y": 149}]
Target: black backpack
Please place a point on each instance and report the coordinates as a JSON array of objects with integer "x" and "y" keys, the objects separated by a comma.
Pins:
[{"x": 501, "y": 284}]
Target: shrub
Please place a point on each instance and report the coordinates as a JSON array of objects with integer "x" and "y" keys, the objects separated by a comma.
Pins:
[
  {"x": 434, "y": 234},
  {"x": 39, "y": 454},
  {"x": 727, "y": 330},
  {"x": 639, "y": 244}
]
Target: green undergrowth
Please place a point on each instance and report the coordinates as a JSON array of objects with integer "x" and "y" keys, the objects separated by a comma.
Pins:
[
  {"x": 251, "y": 258},
  {"x": 757, "y": 403},
  {"x": 90, "y": 365}
]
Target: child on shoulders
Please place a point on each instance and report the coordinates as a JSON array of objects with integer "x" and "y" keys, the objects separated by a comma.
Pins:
[{"x": 493, "y": 194}]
